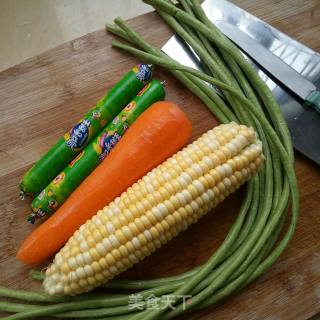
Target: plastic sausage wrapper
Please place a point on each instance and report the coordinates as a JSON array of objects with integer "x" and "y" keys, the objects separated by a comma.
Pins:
[
  {"x": 88, "y": 159},
  {"x": 69, "y": 146}
]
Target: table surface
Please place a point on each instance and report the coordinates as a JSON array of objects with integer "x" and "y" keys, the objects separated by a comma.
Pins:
[{"x": 42, "y": 97}]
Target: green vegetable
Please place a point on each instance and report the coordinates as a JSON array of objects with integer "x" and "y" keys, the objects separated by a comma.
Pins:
[
  {"x": 78, "y": 169},
  {"x": 253, "y": 244},
  {"x": 67, "y": 147}
]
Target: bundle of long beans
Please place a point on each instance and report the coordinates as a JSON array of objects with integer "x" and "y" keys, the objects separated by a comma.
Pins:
[{"x": 252, "y": 244}]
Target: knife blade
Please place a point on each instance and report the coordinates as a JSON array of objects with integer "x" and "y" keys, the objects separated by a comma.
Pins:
[
  {"x": 303, "y": 123},
  {"x": 266, "y": 59},
  {"x": 269, "y": 62}
]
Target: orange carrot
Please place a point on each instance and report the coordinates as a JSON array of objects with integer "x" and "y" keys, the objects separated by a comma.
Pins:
[{"x": 157, "y": 134}]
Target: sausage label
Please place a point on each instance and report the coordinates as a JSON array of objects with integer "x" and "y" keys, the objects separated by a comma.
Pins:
[
  {"x": 78, "y": 136},
  {"x": 143, "y": 72},
  {"x": 107, "y": 141}
]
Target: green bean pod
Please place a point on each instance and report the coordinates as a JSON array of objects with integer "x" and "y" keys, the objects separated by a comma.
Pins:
[
  {"x": 67, "y": 147},
  {"x": 88, "y": 159}
]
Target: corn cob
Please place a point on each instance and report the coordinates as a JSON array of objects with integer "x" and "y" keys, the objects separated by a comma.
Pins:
[{"x": 155, "y": 209}]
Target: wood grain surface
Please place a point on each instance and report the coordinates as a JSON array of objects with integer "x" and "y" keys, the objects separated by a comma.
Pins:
[{"x": 42, "y": 97}]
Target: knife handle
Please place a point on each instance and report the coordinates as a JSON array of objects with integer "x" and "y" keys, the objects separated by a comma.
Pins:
[{"x": 313, "y": 100}]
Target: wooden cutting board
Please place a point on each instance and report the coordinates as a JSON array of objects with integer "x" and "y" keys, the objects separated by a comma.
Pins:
[{"x": 42, "y": 97}]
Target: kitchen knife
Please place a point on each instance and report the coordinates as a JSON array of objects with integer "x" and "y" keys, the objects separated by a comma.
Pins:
[
  {"x": 273, "y": 65},
  {"x": 303, "y": 123}
]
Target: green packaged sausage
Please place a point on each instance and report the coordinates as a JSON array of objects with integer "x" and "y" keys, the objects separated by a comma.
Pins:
[
  {"x": 67, "y": 147},
  {"x": 90, "y": 157}
]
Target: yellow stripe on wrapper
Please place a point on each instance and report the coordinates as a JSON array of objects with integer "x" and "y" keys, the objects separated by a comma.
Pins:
[{"x": 155, "y": 209}]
